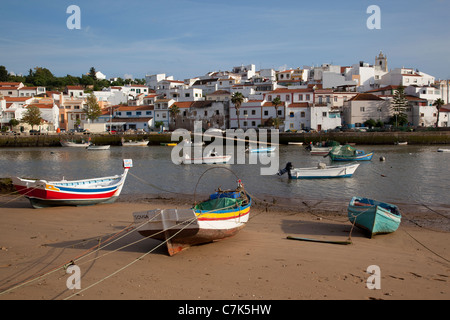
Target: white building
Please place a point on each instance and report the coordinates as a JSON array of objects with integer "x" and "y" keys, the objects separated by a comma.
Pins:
[{"x": 406, "y": 77}]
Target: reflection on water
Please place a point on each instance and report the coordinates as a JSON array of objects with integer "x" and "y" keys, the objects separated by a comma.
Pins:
[{"x": 409, "y": 174}]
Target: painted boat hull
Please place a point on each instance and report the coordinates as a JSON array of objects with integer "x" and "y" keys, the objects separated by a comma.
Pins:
[
  {"x": 374, "y": 217},
  {"x": 42, "y": 193},
  {"x": 329, "y": 172},
  {"x": 183, "y": 228},
  {"x": 443, "y": 150}
]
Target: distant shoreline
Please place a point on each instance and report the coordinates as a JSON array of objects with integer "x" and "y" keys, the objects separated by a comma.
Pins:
[{"x": 360, "y": 138}]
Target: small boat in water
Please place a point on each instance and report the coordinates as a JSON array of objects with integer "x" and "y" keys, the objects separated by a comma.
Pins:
[
  {"x": 443, "y": 150},
  {"x": 211, "y": 158},
  {"x": 221, "y": 216},
  {"x": 374, "y": 217},
  {"x": 94, "y": 147},
  {"x": 320, "y": 151},
  {"x": 261, "y": 150},
  {"x": 43, "y": 193},
  {"x": 349, "y": 153},
  {"x": 295, "y": 143},
  {"x": 131, "y": 143},
  {"x": 322, "y": 171},
  {"x": 74, "y": 144}
]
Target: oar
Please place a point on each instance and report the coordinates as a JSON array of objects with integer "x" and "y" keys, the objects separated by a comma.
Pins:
[{"x": 320, "y": 241}]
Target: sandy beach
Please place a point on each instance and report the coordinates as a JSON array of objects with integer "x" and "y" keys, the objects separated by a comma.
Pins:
[{"x": 259, "y": 263}]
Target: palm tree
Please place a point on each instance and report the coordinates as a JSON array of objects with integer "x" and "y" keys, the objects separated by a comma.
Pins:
[
  {"x": 438, "y": 104},
  {"x": 174, "y": 111},
  {"x": 276, "y": 103},
  {"x": 237, "y": 100}
]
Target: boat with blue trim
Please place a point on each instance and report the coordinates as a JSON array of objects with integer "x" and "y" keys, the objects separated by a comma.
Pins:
[
  {"x": 322, "y": 171},
  {"x": 349, "y": 153},
  {"x": 43, "y": 193}
]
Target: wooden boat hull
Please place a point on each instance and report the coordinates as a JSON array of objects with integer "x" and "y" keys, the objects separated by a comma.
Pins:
[
  {"x": 329, "y": 172},
  {"x": 374, "y": 217},
  {"x": 182, "y": 228},
  {"x": 42, "y": 193}
]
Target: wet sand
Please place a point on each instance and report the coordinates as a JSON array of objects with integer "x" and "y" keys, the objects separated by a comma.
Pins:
[{"x": 259, "y": 263}]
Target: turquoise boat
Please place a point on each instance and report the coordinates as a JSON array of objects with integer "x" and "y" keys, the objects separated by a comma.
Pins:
[
  {"x": 349, "y": 153},
  {"x": 375, "y": 217}
]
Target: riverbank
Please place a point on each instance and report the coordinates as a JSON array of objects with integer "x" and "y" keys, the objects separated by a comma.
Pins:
[
  {"x": 360, "y": 138},
  {"x": 259, "y": 263}
]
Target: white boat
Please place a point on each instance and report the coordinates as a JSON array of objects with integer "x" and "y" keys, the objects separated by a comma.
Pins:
[
  {"x": 322, "y": 171},
  {"x": 74, "y": 144},
  {"x": 212, "y": 158},
  {"x": 402, "y": 143},
  {"x": 443, "y": 150},
  {"x": 296, "y": 143},
  {"x": 94, "y": 147},
  {"x": 131, "y": 143}
]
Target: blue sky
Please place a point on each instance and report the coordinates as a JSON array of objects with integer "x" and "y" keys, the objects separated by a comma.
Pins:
[{"x": 187, "y": 38}]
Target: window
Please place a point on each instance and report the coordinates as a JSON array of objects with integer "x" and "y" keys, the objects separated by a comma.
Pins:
[
  {"x": 148, "y": 113},
  {"x": 291, "y": 114},
  {"x": 253, "y": 112},
  {"x": 362, "y": 109},
  {"x": 300, "y": 97},
  {"x": 138, "y": 113},
  {"x": 288, "y": 97},
  {"x": 280, "y": 112},
  {"x": 187, "y": 95},
  {"x": 245, "y": 113},
  {"x": 245, "y": 123},
  {"x": 128, "y": 113},
  {"x": 324, "y": 114},
  {"x": 308, "y": 97},
  {"x": 266, "y": 113},
  {"x": 253, "y": 123},
  {"x": 269, "y": 97},
  {"x": 302, "y": 114},
  {"x": 335, "y": 99}
]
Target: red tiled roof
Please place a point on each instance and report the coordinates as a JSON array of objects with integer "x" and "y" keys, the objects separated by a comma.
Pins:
[{"x": 299, "y": 105}]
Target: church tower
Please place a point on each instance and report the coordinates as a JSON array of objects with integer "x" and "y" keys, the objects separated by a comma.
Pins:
[{"x": 381, "y": 62}]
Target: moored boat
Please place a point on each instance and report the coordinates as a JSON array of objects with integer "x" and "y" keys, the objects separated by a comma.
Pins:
[
  {"x": 94, "y": 147},
  {"x": 262, "y": 150},
  {"x": 43, "y": 193},
  {"x": 131, "y": 143},
  {"x": 322, "y": 171},
  {"x": 374, "y": 217},
  {"x": 443, "y": 150},
  {"x": 221, "y": 216},
  {"x": 349, "y": 153},
  {"x": 74, "y": 144},
  {"x": 211, "y": 158},
  {"x": 320, "y": 151}
]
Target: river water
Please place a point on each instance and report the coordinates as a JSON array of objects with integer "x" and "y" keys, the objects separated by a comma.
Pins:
[{"x": 409, "y": 174}]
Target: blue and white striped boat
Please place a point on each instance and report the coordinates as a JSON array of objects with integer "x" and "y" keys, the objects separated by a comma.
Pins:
[{"x": 375, "y": 217}]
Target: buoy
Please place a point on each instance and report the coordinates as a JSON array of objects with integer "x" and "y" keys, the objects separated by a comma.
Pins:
[{"x": 382, "y": 158}]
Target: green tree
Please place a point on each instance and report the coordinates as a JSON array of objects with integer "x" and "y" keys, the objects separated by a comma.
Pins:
[
  {"x": 13, "y": 123},
  {"x": 3, "y": 74},
  {"x": 92, "y": 73},
  {"x": 438, "y": 104},
  {"x": 92, "y": 109},
  {"x": 399, "y": 104},
  {"x": 32, "y": 116},
  {"x": 174, "y": 111},
  {"x": 237, "y": 99}
]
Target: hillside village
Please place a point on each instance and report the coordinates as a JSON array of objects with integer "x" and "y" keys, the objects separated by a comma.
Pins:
[{"x": 316, "y": 98}]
